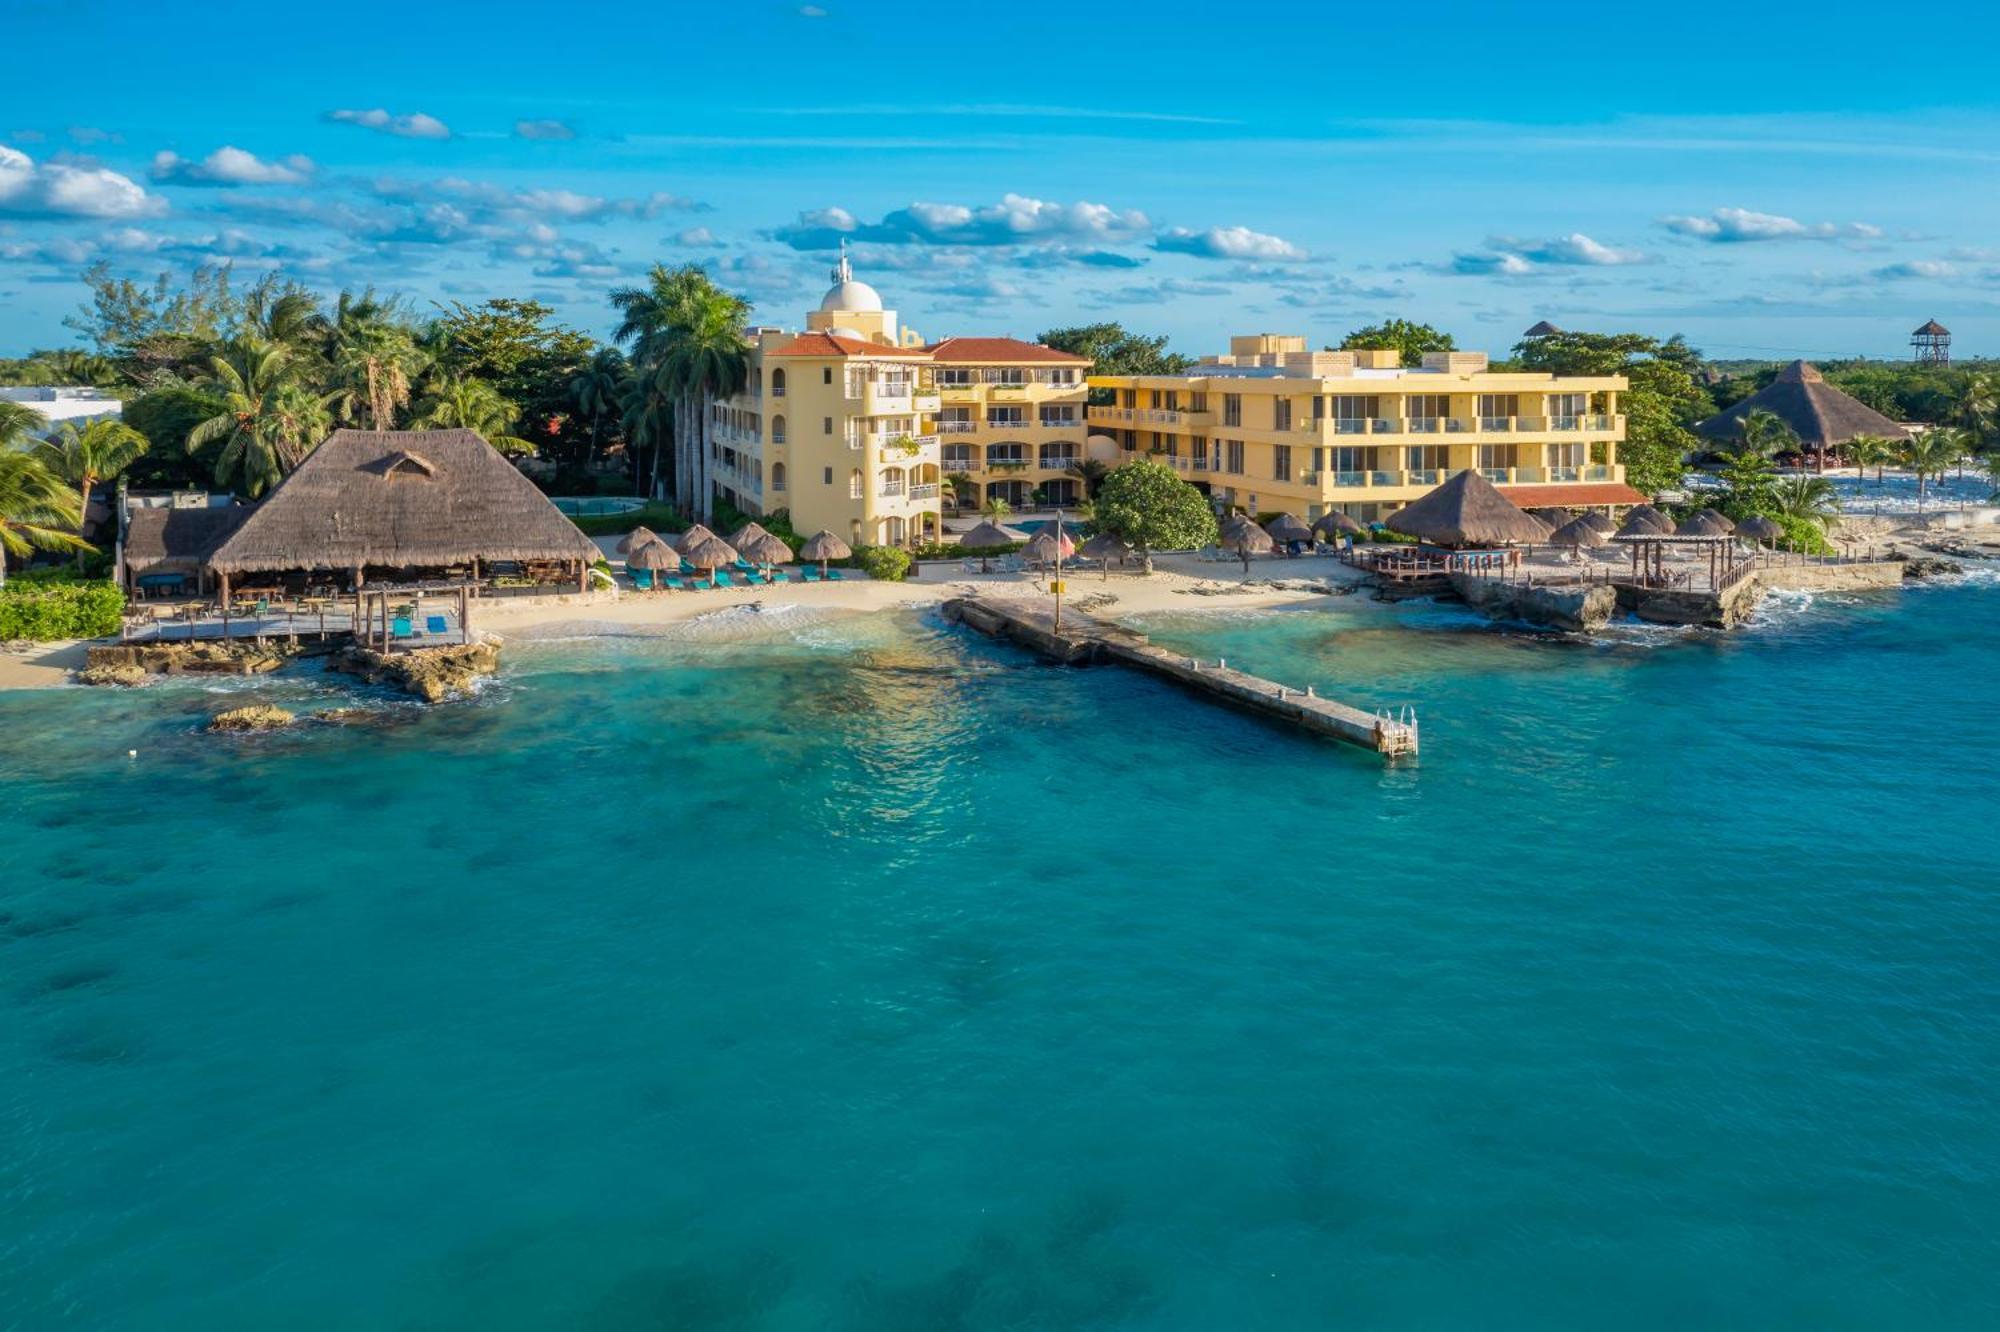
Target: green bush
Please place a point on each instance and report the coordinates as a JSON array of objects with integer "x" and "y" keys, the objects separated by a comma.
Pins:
[
  {"x": 890, "y": 564},
  {"x": 940, "y": 550},
  {"x": 659, "y": 517},
  {"x": 43, "y": 607},
  {"x": 1803, "y": 534}
]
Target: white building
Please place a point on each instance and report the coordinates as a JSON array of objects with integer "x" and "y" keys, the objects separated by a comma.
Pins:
[{"x": 61, "y": 403}]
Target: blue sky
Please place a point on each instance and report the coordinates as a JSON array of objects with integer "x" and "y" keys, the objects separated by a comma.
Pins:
[{"x": 1772, "y": 181}]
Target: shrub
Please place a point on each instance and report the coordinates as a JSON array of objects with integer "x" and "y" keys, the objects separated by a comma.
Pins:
[
  {"x": 890, "y": 564},
  {"x": 43, "y": 607},
  {"x": 940, "y": 550}
]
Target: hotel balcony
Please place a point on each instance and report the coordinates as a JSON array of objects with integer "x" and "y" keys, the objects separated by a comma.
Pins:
[
  {"x": 1468, "y": 429},
  {"x": 1417, "y": 480},
  {"x": 926, "y": 401},
  {"x": 1148, "y": 416},
  {"x": 895, "y": 398}
]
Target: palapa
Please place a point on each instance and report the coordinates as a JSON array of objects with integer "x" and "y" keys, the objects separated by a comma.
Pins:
[
  {"x": 1578, "y": 534},
  {"x": 177, "y": 540},
  {"x": 1759, "y": 528},
  {"x": 745, "y": 534},
  {"x": 1703, "y": 525},
  {"x": 636, "y": 538},
  {"x": 988, "y": 535},
  {"x": 653, "y": 556},
  {"x": 1468, "y": 510},
  {"x": 1821, "y": 415},
  {"x": 692, "y": 537},
  {"x": 763, "y": 548},
  {"x": 1287, "y": 528},
  {"x": 400, "y": 499},
  {"x": 1599, "y": 521},
  {"x": 1337, "y": 522},
  {"x": 711, "y": 552},
  {"x": 1718, "y": 516},
  {"x": 823, "y": 546},
  {"x": 1104, "y": 547},
  {"x": 1648, "y": 518}
]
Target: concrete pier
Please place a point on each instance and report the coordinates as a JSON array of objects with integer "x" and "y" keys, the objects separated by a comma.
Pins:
[{"x": 1084, "y": 640}]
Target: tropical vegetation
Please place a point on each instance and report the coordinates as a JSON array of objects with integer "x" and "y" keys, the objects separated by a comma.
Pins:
[{"x": 1147, "y": 506}]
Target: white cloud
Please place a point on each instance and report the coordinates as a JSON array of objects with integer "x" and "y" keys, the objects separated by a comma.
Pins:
[
  {"x": 416, "y": 125},
  {"x": 1513, "y": 256},
  {"x": 1503, "y": 264},
  {"x": 543, "y": 129},
  {"x": 232, "y": 166},
  {"x": 1229, "y": 243},
  {"x": 484, "y": 201},
  {"x": 1726, "y": 226},
  {"x": 69, "y": 189},
  {"x": 1933, "y": 269},
  {"x": 1015, "y": 220},
  {"x": 698, "y": 238}
]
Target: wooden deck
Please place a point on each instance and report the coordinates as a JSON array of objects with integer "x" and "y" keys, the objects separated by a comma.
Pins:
[
  {"x": 1084, "y": 640},
  {"x": 302, "y": 625}
]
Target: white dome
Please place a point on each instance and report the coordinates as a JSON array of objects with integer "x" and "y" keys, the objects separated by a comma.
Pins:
[
  {"x": 853, "y": 333},
  {"x": 851, "y": 296}
]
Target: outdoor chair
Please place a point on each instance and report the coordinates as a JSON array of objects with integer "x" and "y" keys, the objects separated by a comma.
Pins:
[
  {"x": 435, "y": 624},
  {"x": 400, "y": 628}
]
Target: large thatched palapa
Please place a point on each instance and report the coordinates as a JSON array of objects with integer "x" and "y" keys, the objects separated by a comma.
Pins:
[
  {"x": 177, "y": 540},
  {"x": 1468, "y": 510},
  {"x": 415, "y": 499},
  {"x": 1821, "y": 415}
]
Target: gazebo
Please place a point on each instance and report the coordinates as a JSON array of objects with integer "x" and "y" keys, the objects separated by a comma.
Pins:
[
  {"x": 1468, "y": 511},
  {"x": 1820, "y": 415}
]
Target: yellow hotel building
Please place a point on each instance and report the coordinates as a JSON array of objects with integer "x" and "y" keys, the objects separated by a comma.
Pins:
[
  {"x": 854, "y": 424},
  {"x": 1273, "y": 426}
]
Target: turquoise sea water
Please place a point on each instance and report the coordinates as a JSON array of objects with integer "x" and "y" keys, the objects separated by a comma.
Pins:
[{"x": 859, "y": 975}]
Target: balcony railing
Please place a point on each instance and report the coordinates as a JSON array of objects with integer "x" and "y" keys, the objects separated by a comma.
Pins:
[
  {"x": 1497, "y": 424},
  {"x": 1059, "y": 422},
  {"x": 1498, "y": 475},
  {"x": 926, "y": 491},
  {"x": 1425, "y": 425},
  {"x": 1059, "y": 460},
  {"x": 957, "y": 427},
  {"x": 1350, "y": 478},
  {"x": 1423, "y": 476}
]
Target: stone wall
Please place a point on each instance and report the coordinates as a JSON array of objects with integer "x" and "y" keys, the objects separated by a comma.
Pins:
[{"x": 1833, "y": 577}]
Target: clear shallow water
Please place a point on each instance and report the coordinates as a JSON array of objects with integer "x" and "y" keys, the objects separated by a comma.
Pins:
[{"x": 860, "y": 975}]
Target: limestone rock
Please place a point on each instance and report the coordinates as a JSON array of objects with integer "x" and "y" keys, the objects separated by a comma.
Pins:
[
  {"x": 256, "y": 717},
  {"x": 432, "y": 674},
  {"x": 127, "y": 676}
]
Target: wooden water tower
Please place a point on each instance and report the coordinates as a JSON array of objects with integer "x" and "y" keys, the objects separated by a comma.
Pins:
[{"x": 1932, "y": 344}]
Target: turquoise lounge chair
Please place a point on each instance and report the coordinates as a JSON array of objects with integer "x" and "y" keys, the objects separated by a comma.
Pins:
[
  {"x": 674, "y": 583},
  {"x": 810, "y": 573},
  {"x": 688, "y": 570},
  {"x": 400, "y": 627},
  {"x": 722, "y": 578},
  {"x": 435, "y": 624},
  {"x": 642, "y": 579},
  {"x": 833, "y": 575},
  {"x": 745, "y": 566}
]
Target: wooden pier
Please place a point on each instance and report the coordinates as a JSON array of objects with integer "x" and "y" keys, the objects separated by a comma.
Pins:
[{"x": 1084, "y": 640}]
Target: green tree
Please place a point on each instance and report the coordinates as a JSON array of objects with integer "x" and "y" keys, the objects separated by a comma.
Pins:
[
  {"x": 1406, "y": 337},
  {"x": 269, "y": 421},
  {"x": 997, "y": 509},
  {"x": 1748, "y": 481},
  {"x": 598, "y": 390},
  {"x": 1662, "y": 399},
  {"x": 1763, "y": 433},
  {"x": 1115, "y": 350},
  {"x": 1870, "y": 451},
  {"x": 689, "y": 341},
  {"x": 517, "y": 347},
  {"x": 373, "y": 362},
  {"x": 1091, "y": 472},
  {"x": 1804, "y": 499},
  {"x": 1930, "y": 455},
  {"x": 38, "y": 511},
  {"x": 475, "y": 405},
  {"x": 166, "y": 417},
  {"x": 1148, "y": 507},
  {"x": 99, "y": 451}
]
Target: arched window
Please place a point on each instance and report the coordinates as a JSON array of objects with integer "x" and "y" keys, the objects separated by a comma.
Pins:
[
  {"x": 778, "y": 429},
  {"x": 778, "y": 383},
  {"x": 854, "y": 484},
  {"x": 777, "y": 476}
]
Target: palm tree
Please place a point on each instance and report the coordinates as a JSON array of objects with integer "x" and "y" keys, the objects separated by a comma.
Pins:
[
  {"x": 475, "y": 405},
  {"x": 647, "y": 416},
  {"x": 373, "y": 360},
  {"x": 1931, "y": 453},
  {"x": 1765, "y": 434},
  {"x": 268, "y": 418},
  {"x": 1870, "y": 451},
  {"x": 1993, "y": 473},
  {"x": 98, "y": 452},
  {"x": 689, "y": 341},
  {"x": 18, "y": 423},
  {"x": 38, "y": 509},
  {"x": 959, "y": 489},
  {"x": 1091, "y": 472},
  {"x": 598, "y": 391},
  {"x": 1978, "y": 409},
  {"x": 997, "y": 509},
  {"x": 1808, "y": 499}
]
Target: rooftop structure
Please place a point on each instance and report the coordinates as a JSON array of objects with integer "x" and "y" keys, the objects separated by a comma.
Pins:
[
  {"x": 1274, "y": 426},
  {"x": 1932, "y": 344},
  {"x": 60, "y": 403},
  {"x": 1821, "y": 415}
]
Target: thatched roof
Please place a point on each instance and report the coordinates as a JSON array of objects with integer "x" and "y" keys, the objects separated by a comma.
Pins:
[
  {"x": 401, "y": 498},
  {"x": 177, "y": 540},
  {"x": 1048, "y": 543},
  {"x": 1468, "y": 510},
  {"x": 692, "y": 537},
  {"x": 655, "y": 554},
  {"x": 1336, "y": 522},
  {"x": 1554, "y": 517},
  {"x": 1759, "y": 528},
  {"x": 1718, "y": 516},
  {"x": 986, "y": 534},
  {"x": 1247, "y": 536},
  {"x": 1576, "y": 532},
  {"x": 763, "y": 548},
  {"x": 1542, "y": 329},
  {"x": 1649, "y": 519},
  {"x": 711, "y": 552},
  {"x": 1287, "y": 528},
  {"x": 636, "y": 538},
  {"x": 1104, "y": 546},
  {"x": 1932, "y": 328},
  {"x": 1600, "y": 522},
  {"x": 824, "y": 545},
  {"x": 745, "y": 534},
  {"x": 1703, "y": 525},
  {"x": 1818, "y": 413}
]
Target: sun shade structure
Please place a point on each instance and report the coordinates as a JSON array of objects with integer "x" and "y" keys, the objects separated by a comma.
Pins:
[
  {"x": 1331, "y": 523},
  {"x": 1702, "y": 525},
  {"x": 711, "y": 552},
  {"x": 1049, "y": 545},
  {"x": 763, "y": 548},
  {"x": 988, "y": 534},
  {"x": 745, "y": 534},
  {"x": 654, "y": 556},
  {"x": 1577, "y": 533},
  {"x": 401, "y": 499},
  {"x": 1287, "y": 528},
  {"x": 1759, "y": 528},
  {"x": 1718, "y": 516},
  {"x": 1553, "y": 517},
  {"x": 1468, "y": 510},
  {"x": 1105, "y": 548},
  {"x": 1648, "y": 518},
  {"x": 1600, "y": 522},
  {"x": 692, "y": 537},
  {"x": 177, "y": 540},
  {"x": 1821, "y": 415},
  {"x": 823, "y": 546},
  {"x": 636, "y": 538}
]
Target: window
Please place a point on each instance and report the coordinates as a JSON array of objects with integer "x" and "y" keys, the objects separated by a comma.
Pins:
[
  {"x": 1429, "y": 457},
  {"x": 954, "y": 378},
  {"x": 1197, "y": 402},
  {"x": 829, "y": 476},
  {"x": 958, "y": 456},
  {"x": 1351, "y": 460},
  {"x": 1058, "y": 416},
  {"x": 1006, "y": 374},
  {"x": 854, "y": 484},
  {"x": 1063, "y": 375},
  {"x": 777, "y": 476},
  {"x": 1281, "y": 413},
  {"x": 778, "y": 383},
  {"x": 1232, "y": 409},
  {"x": 1006, "y": 416},
  {"x": 1428, "y": 411},
  {"x": 777, "y": 430},
  {"x": 1233, "y": 462},
  {"x": 1126, "y": 398},
  {"x": 826, "y": 375},
  {"x": 1006, "y": 455},
  {"x": 827, "y": 424},
  {"x": 1281, "y": 467},
  {"x": 1198, "y": 450}
]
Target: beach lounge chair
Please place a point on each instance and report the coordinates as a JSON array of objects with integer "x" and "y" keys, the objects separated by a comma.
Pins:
[
  {"x": 722, "y": 578},
  {"x": 400, "y": 627},
  {"x": 744, "y": 565},
  {"x": 833, "y": 575},
  {"x": 688, "y": 570},
  {"x": 435, "y": 624},
  {"x": 674, "y": 583},
  {"x": 810, "y": 573},
  {"x": 642, "y": 579}
]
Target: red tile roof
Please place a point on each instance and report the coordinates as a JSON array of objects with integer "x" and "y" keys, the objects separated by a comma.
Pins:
[
  {"x": 1562, "y": 496},
  {"x": 1003, "y": 351},
  {"x": 830, "y": 344}
]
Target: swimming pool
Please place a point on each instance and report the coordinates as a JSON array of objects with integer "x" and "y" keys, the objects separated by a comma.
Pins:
[{"x": 585, "y": 506}]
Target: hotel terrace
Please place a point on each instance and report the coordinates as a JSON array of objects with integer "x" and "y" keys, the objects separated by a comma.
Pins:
[
  {"x": 854, "y": 424},
  {"x": 1272, "y": 426}
]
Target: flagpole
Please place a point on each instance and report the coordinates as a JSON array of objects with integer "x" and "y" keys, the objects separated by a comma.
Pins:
[{"x": 1058, "y": 577}]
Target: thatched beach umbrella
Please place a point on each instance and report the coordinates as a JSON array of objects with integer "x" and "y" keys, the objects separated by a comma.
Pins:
[
  {"x": 763, "y": 548},
  {"x": 1759, "y": 528},
  {"x": 1248, "y": 539},
  {"x": 655, "y": 557},
  {"x": 1555, "y": 517},
  {"x": 746, "y": 534},
  {"x": 1577, "y": 534},
  {"x": 1468, "y": 510},
  {"x": 1105, "y": 547},
  {"x": 636, "y": 538},
  {"x": 985, "y": 536},
  {"x": 709, "y": 554},
  {"x": 1049, "y": 545},
  {"x": 693, "y": 537},
  {"x": 1702, "y": 525},
  {"x": 1287, "y": 528},
  {"x": 1337, "y": 523},
  {"x": 1649, "y": 519},
  {"x": 1718, "y": 516},
  {"x": 1600, "y": 522},
  {"x": 823, "y": 546}
]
